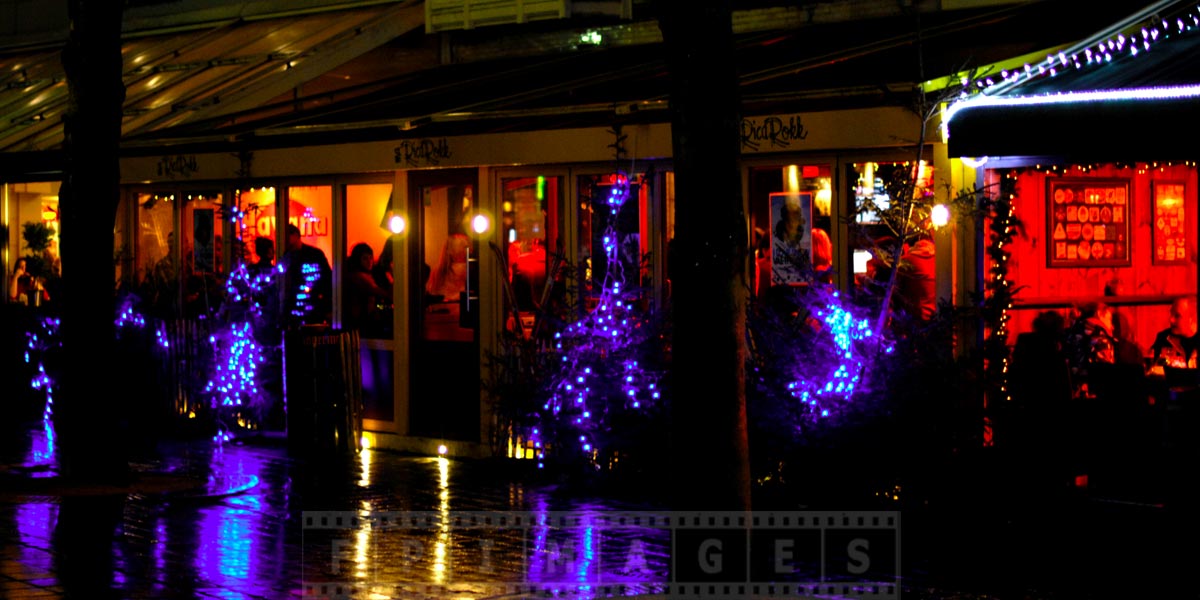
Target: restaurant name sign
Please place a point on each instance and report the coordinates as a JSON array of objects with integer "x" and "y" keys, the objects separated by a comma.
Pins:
[
  {"x": 178, "y": 166},
  {"x": 774, "y": 132},
  {"x": 420, "y": 153}
]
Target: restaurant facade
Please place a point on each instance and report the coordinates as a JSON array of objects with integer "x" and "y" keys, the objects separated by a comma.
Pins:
[
  {"x": 192, "y": 214},
  {"x": 543, "y": 192}
]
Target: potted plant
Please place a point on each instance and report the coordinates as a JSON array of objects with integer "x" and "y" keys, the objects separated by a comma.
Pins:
[{"x": 39, "y": 264}]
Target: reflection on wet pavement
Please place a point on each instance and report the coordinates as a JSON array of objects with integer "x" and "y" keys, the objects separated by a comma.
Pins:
[
  {"x": 244, "y": 538},
  {"x": 408, "y": 532}
]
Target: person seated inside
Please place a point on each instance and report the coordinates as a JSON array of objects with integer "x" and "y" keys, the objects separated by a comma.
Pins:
[
  {"x": 21, "y": 284},
  {"x": 382, "y": 272},
  {"x": 1089, "y": 342},
  {"x": 362, "y": 295},
  {"x": 1177, "y": 345}
]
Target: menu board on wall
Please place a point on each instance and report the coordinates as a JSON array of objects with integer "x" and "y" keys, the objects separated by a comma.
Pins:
[
  {"x": 1088, "y": 223},
  {"x": 1171, "y": 241}
]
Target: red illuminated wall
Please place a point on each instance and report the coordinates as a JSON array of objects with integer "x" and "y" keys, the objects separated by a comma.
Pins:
[{"x": 1148, "y": 285}]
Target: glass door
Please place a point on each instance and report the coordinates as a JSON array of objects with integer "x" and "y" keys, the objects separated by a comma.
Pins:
[
  {"x": 444, "y": 378},
  {"x": 531, "y": 227},
  {"x": 367, "y": 287}
]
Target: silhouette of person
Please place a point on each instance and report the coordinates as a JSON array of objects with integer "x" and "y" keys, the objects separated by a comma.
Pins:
[
  {"x": 361, "y": 294},
  {"x": 308, "y": 280}
]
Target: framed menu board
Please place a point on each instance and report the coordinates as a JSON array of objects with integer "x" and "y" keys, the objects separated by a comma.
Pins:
[
  {"x": 1088, "y": 223},
  {"x": 1170, "y": 230}
]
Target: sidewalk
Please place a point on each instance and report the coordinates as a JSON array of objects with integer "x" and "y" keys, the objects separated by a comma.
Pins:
[{"x": 226, "y": 522}]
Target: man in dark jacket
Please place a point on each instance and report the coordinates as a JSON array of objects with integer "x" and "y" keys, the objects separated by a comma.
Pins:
[{"x": 308, "y": 281}]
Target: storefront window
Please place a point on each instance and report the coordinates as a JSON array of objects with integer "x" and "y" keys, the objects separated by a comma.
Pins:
[
  {"x": 202, "y": 251},
  {"x": 367, "y": 282},
  {"x": 882, "y": 227},
  {"x": 602, "y": 224},
  {"x": 530, "y": 226},
  {"x": 157, "y": 265},
  {"x": 310, "y": 209},
  {"x": 32, "y": 210},
  {"x": 122, "y": 244},
  {"x": 258, "y": 221},
  {"x": 778, "y": 196}
]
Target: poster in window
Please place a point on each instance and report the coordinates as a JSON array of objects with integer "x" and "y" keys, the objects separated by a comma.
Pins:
[
  {"x": 1088, "y": 223},
  {"x": 1169, "y": 224},
  {"x": 202, "y": 236},
  {"x": 791, "y": 237}
]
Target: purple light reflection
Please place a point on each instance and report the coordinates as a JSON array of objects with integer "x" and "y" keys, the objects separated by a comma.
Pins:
[
  {"x": 230, "y": 533},
  {"x": 35, "y": 526}
]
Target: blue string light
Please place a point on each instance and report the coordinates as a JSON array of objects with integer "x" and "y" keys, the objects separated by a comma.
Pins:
[
  {"x": 38, "y": 342},
  {"x": 824, "y": 381},
  {"x": 595, "y": 351},
  {"x": 310, "y": 273}
]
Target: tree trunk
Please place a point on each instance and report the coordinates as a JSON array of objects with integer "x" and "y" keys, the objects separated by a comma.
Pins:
[
  {"x": 710, "y": 455},
  {"x": 90, "y": 402}
]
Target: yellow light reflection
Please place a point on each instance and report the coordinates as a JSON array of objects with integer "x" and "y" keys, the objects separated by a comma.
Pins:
[
  {"x": 362, "y": 541},
  {"x": 38, "y": 99},
  {"x": 364, "y": 458},
  {"x": 793, "y": 178},
  {"x": 443, "y": 536}
]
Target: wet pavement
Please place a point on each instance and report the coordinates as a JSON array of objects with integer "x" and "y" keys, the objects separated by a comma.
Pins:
[
  {"x": 252, "y": 526},
  {"x": 239, "y": 535}
]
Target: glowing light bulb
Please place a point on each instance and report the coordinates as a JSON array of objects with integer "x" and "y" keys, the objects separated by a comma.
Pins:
[
  {"x": 397, "y": 224},
  {"x": 480, "y": 224}
]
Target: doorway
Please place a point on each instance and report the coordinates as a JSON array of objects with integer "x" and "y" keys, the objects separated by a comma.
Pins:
[{"x": 444, "y": 379}]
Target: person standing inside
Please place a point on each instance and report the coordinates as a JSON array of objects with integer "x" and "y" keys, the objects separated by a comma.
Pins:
[
  {"x": 308, "y": 281},
  {"x": 916, "y": 282}
]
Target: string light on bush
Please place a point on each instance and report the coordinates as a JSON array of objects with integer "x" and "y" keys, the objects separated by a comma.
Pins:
[
  {"x": 600, "y": 375},
  {"x": 846, "y": 344},
  {"x": 39, "y": 341},
  {"x": 1000, "y": 297}
]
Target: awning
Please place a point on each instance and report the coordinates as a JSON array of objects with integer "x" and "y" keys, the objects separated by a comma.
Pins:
[
  {"x": 1103, "y": 129},
  {"x": 371, "y": 73},
  {"x": 1130, "y": 93},
  {"x": 795, "y": 68},
  {"x": 202, "y": 73}
]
